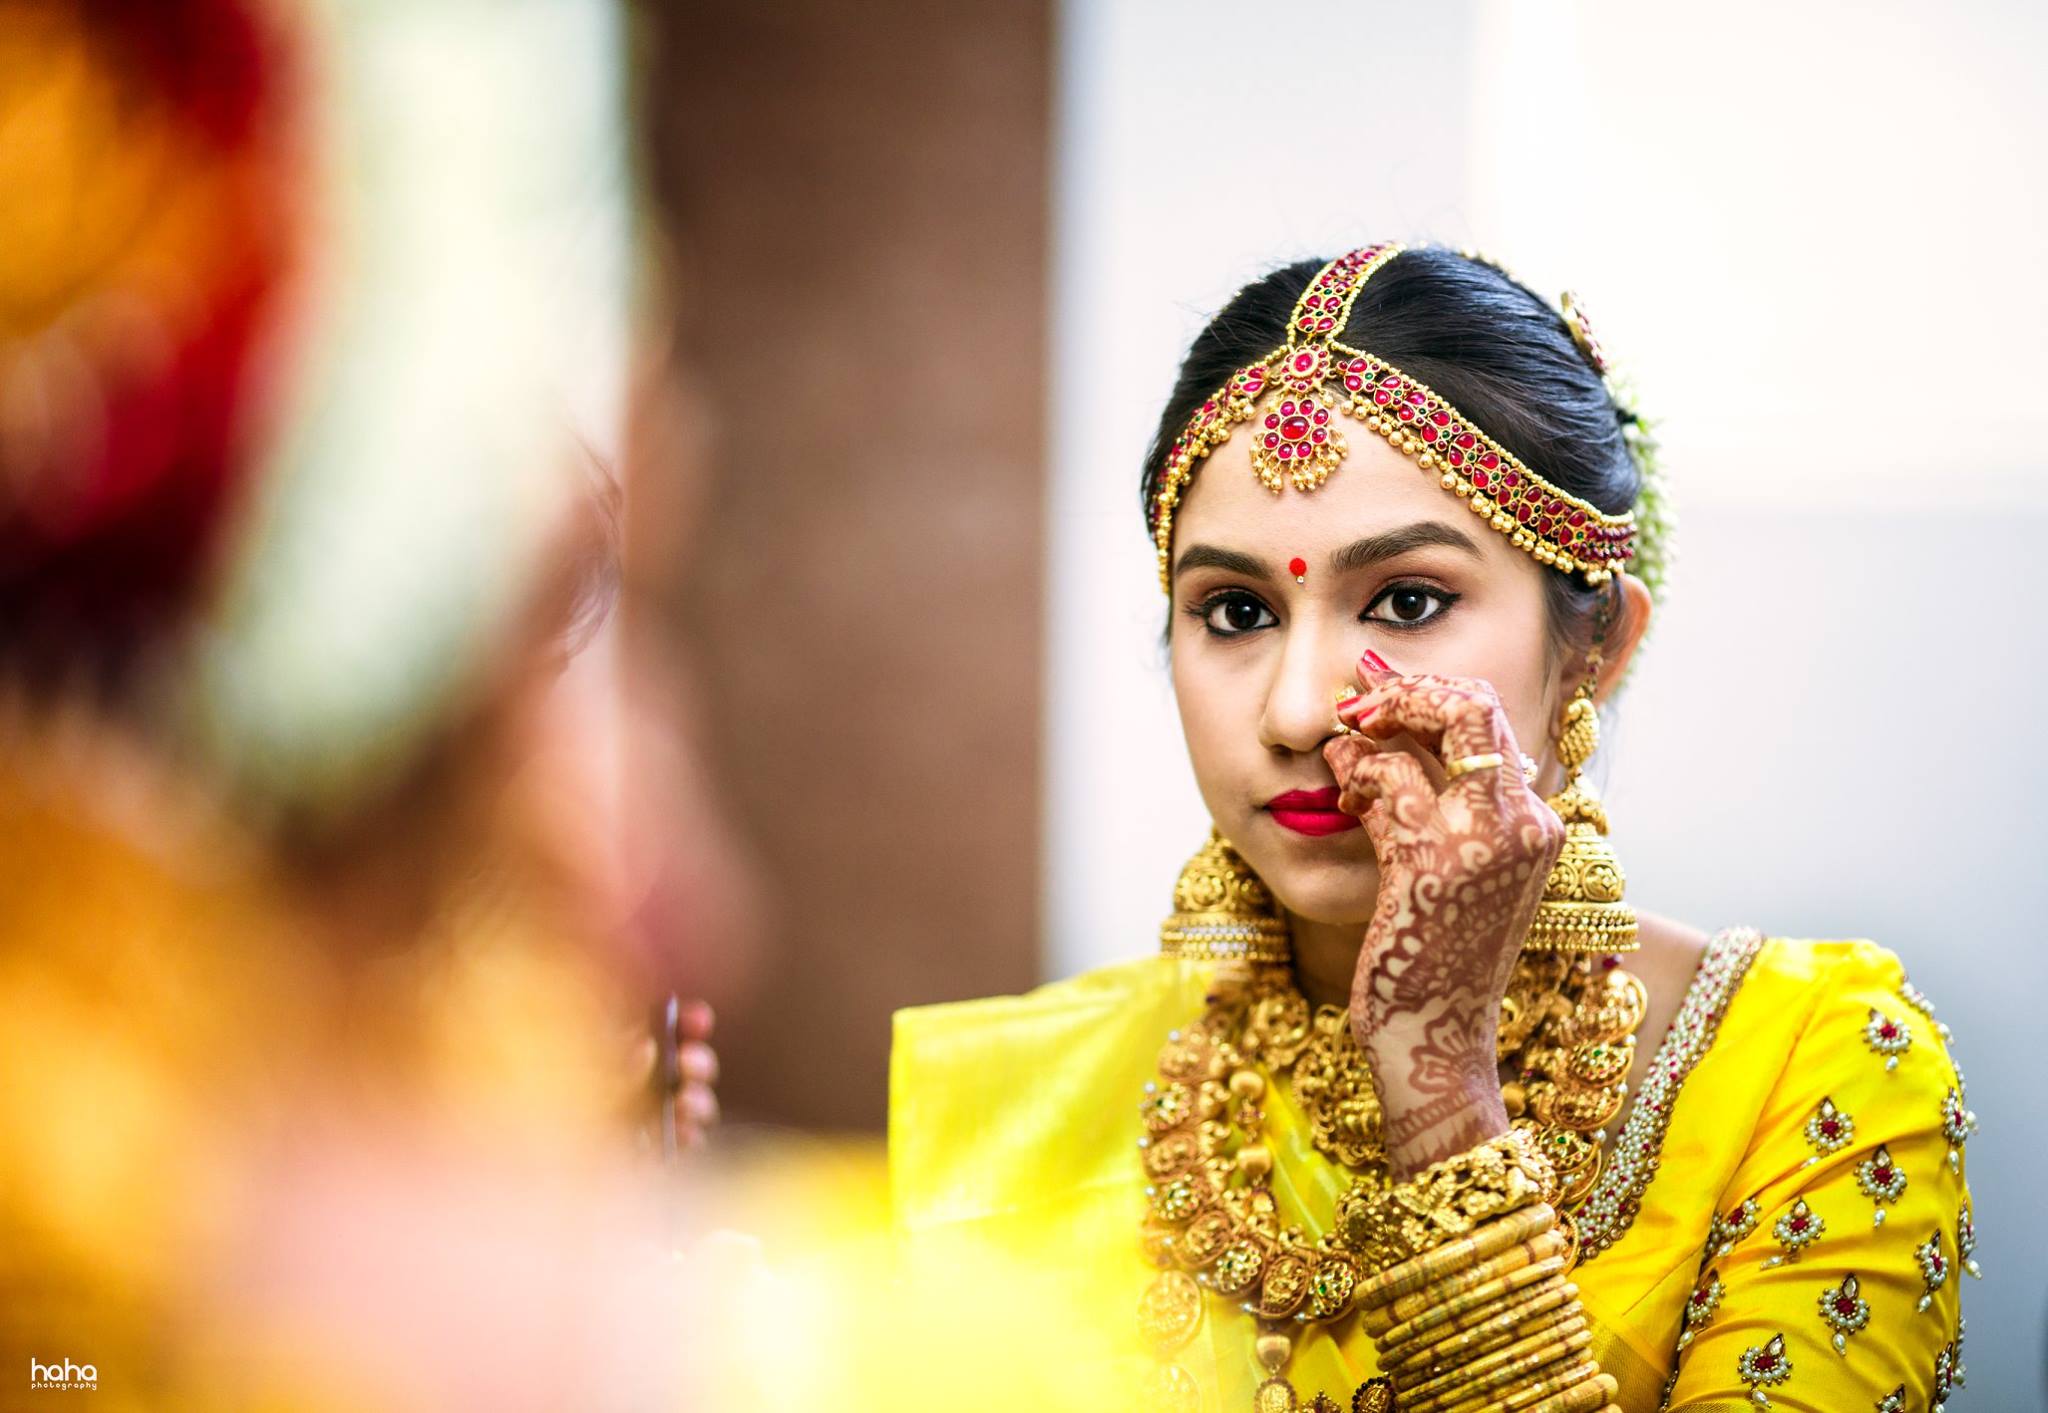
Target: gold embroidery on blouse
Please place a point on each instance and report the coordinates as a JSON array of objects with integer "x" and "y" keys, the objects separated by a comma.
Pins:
[{"x": 1618, "y": 1195}]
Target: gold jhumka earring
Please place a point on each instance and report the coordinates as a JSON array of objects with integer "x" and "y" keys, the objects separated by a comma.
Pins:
[
  {"x": 1222, "y": 911},
  {"x": 1582, "y": 908}
]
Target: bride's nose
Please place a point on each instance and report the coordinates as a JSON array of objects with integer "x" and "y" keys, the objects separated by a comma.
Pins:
[{"x": 1301, "y": 700}]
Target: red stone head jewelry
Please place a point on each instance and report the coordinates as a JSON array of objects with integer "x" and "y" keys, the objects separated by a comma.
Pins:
[{"x": 1296, "y": 391}]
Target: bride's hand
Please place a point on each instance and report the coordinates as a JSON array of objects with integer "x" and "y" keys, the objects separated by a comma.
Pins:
[{"x": 1462, "y": 868}]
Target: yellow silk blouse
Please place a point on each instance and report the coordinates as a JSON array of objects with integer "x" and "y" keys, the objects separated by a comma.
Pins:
[{"x": 1802, "y": 1123}]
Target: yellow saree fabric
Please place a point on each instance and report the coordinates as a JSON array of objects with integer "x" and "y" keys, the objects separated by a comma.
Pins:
[{"x": 1013, "y": 1125}]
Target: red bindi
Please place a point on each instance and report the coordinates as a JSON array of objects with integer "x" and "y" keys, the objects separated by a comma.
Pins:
[{"x": 1298, "y": 567}]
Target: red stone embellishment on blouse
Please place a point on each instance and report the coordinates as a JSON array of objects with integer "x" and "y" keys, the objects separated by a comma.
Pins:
[
  {"x": 1796, "y": 1230},
  {"x": 1829, "y": 1129},
  {"x": 1764, "y": 1366},
  {"x": 1726, "y": 1231},
  {"x": 1845, "y": 1311},
  {"x": 1966, "y": 1242},
  {"x": 1887, "y": 1037},
  {"x": 1700, "y": 1306},
  {"x": 1948, "y": 1368},
  {"x": 1957, "y": 1123},
  {"x": 1933, "y": 1269},
  {"x": 1881, "y": 1180}
]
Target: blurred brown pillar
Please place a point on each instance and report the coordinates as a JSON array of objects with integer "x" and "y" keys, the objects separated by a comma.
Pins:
[{"x": 857, "y": 201}]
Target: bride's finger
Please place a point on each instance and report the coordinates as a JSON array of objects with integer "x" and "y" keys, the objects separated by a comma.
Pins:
[
  {"x": 1449, "y": 717},
  {"x": 1389, "y": 791}
]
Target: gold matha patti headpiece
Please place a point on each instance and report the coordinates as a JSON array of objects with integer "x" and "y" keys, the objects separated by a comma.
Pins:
[{"x": 1297, "y": 392}]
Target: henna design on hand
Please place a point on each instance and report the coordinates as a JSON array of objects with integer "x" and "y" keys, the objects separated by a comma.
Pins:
[{"x": 1461, "y": 874}]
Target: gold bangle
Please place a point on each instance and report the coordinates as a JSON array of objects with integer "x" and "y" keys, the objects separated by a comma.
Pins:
[
  {"x": 1556, "y": 1384},
  {"x": 1502, "y": 1369},
  {"x": 1471, "y": 1341},
  {"x": 1447, "y": 1200},
  {"x": 1499, "y": 1325},
  {"x": 1489, "y": 1239},
  {"x": 1552, "y": 1340},
  {"x": 1417, "y": 1311},
  {"x": 1520, "y": 1291},
  {"x": 1453, "y": 1298}
]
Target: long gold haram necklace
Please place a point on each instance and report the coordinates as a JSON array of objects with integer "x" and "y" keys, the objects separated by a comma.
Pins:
[{"x": 1567, "y": 1035}]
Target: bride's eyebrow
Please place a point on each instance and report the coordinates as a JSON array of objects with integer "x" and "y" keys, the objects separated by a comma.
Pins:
[
  {"x": 1216, "y": 557},
  {"x": 1362, "y": 554}
]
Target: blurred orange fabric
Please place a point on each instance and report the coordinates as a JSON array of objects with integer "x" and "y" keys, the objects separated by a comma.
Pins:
[{"x": 238, "y": 1157}]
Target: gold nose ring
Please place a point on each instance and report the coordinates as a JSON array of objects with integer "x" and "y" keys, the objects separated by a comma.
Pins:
[{"x": 1344, "y": 692}]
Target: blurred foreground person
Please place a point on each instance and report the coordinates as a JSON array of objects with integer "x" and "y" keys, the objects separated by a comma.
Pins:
[
  {"x": 347, "y": 1107},
  {"x": 295, "y": 1115}
]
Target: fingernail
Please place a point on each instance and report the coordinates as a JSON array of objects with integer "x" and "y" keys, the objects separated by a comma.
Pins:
[
  {"x": 1350, "y": 701},
  {"x": 1373, "y": 662}
]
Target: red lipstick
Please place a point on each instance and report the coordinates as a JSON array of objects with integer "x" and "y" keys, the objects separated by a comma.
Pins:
[{"x": 1311, "y": 811}]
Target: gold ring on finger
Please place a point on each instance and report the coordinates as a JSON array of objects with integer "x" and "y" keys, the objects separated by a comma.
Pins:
[{"x": 1465, "y": 765}]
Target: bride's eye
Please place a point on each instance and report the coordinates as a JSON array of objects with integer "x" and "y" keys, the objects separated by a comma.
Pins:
[
  {"x": 1233, "y": 612},
  {"x": 1408, "y": 605}
]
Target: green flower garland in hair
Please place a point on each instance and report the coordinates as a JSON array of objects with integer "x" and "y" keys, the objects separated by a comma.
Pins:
[
  {"x": 1653, "y": 540},
  {"x": 1655, "y": 547},
  {"x": 1655, "y": 550}
]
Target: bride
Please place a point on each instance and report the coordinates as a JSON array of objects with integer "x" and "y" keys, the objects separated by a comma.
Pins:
[{"x": 1412, "y": 1109}]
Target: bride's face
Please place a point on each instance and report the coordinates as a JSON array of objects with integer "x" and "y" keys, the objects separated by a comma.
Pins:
[{"x": 1393, "y": 563}]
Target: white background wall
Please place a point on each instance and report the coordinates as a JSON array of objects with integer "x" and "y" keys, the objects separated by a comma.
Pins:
[{"x": 1814, "y": 233}]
